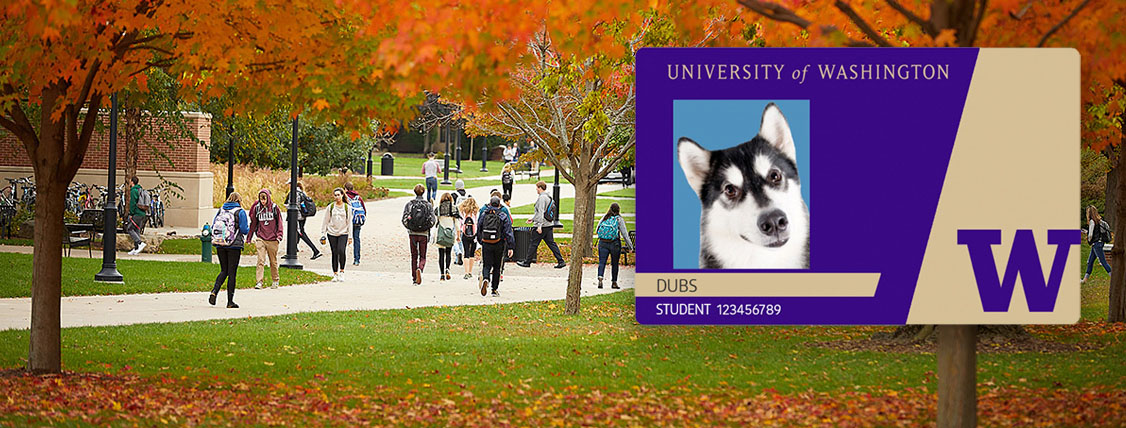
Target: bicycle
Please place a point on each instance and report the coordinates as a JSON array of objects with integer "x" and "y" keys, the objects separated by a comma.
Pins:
[{"x": 156, "y": 211}]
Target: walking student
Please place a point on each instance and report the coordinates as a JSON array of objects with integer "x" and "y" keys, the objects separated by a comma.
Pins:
[
  {"x": 306, "y": 208},
  {"x": 610, "y": 231},
  {"x": 543, "y": 219},
  {"x": 446, "y": 235},
  {"x": 1098, "y": 233},
  {"x": 228, "y": 232},
  {"x": 418, "y": 218},
  {"x": 494, "y": 232},
  {"x": 359, "y": 215},
  {"x": 430, "y": 169},
  {"x": 139, "y": 203},
  {"x": 506, "y": 179},
  {"x": 468, "y": 234},
  {"x": 337, "y": 227},
  {"x": 266, "y": 224}
]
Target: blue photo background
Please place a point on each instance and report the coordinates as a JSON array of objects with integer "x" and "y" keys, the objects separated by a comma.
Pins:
[{"x": 719, "y": 124}]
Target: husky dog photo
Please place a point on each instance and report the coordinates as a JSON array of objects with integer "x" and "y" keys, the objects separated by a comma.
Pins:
[{"x": 752, "y": 211}]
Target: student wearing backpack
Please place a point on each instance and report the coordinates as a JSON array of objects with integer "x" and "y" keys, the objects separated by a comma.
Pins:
[
  {"x": 359, "y": 215},
  {"x": 446, "y": 235},
  {"x": 543, "y": 219},
  {"x": 228, "y": 232},
  {"x": 418, "y": 218},
  {"x": 506, "y": 179},
  {"x": 494, "y": 232},
  {"x": 305, "y": 208},
  {"x": 1098, "y": 233},
  {"x": 139, "y": 202},
  {"x": 337, "y": 228},
  {"x": 467, "y": 233},
  {"x": 610, "y": 231},
  {"x": 266, "y": 224}
]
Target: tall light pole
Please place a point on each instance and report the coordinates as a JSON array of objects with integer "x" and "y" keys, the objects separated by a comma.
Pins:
[
  {"x": 230, "y": 159},
  {"x": 555, "y": 197},
  {"x": 458, "y": 135},
  {"x": 446, "y": 167},
  {"x": 484, "y": 156},
  {"x": 109, "y": 271},
  {"x": 289, "y": 260}
]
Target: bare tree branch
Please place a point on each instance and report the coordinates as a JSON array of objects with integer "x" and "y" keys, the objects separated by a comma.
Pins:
[
  {"x": 776, "y": 12},
  {"x": 927, "y": 26},
  {"x": 1058, "y": 26}
]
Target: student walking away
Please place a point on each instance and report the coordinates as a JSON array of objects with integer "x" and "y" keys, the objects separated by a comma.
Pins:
[
  {"x": 266, "y": 224},
  {"x": 305, "y": 208},
  {"x": 506, "y": 180},
  {"x": 139, "y": 203},
  {"x": 337, "y": 228},
  {"x": 496, "y": 194},
  {"x": 228, "y": 232},
  {"x": 459, "y": 192},
  {"x": 1098, "y": 233},
  {"x": 543, "y": 219},
  {"x": 418, "y": 218},
  {"x": 611, "y": 229},
  {"x": 446, "y": 235},
  {"x": 468, "y": 234},
  {"x": 430, "y": 169},
  {"x": 494, "y": 232},
  {"x": 359, "y": 215}
]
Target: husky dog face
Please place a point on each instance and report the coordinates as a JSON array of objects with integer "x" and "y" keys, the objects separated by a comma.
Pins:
[{"x": 752, "y": 215}]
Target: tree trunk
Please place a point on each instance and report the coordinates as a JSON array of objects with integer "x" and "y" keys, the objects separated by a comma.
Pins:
[
  {"x": 131, "y": 136},
  {"x": 588, "y": 250},
  {"x": 1110, "y": 212},
  {"x": 957, "y": 374},
  {"x": 45, "y": 354},
  {"x": 584, "y": 212},
  {"x": 1117, "y": 310},
  {"x": 471, "y": 148}
]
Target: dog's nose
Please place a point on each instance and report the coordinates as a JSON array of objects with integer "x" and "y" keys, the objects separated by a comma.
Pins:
[{"x": 773, "y": 223}]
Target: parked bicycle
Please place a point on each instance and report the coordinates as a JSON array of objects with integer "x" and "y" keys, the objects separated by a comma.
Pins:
[{"x": 156, "y": 211}]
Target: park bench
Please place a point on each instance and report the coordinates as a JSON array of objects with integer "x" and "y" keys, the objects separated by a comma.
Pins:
[
  {"x": 79, "y": 235},
  {"x": 526, "y": 169}
]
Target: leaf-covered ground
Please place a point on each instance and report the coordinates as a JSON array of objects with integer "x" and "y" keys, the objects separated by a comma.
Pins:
[{"x": 525, "y": 364}]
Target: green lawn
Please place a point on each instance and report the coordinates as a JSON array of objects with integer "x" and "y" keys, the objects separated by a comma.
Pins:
[
  {"x": 621, "y": 193},
  {"x": 140, "y": 276},
  {"x": 567, "y": 206},
  {"x": 410, "y": 164},
  {"x": 408, "y": 183},
  {"x": 569, "y": 225}
]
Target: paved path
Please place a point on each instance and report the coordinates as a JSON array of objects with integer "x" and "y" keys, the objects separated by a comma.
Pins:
[{"x": 381, "y": 281}]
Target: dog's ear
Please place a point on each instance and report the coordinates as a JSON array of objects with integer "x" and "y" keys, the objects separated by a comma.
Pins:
[
  {"x": 776, "y": 130},
  {"x": 694, "y": 160}
]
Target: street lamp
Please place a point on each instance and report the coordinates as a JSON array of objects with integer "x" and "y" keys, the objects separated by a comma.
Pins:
[
  {"x": 446, "y": 166},
  {"x": 109, "y": 271},
  {"x": 230, "y": 159},
  {"x": 289, "y": 260},
  {"x": 555, "y": 197},
  {"x": 458, "y": 135}
]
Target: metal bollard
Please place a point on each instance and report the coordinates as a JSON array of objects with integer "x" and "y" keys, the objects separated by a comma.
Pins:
[{"x": 205, "y": 242}]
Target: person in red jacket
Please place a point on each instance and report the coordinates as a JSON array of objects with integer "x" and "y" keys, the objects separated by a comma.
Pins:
[{"x": 266, "y": 224}]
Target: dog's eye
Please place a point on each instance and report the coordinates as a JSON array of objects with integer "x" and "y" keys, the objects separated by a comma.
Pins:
[
  {"x": 775, "y": 176},
  {"x": 731, "y": 191}
]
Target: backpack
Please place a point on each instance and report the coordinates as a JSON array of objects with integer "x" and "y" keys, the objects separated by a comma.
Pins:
[
  {"x": 359, "y": 215},
  {"x": 492, "y": 226},
  {"x": 144, "y": 200},
  {"x": 506, "y": 177},
  {"x": 224, "y": 228},
  {"x": 467, "y": 228},
  {"x": 308, "y": 207},
  {"x": 608, "y": 229},
  {"x": 446, "y": 209},
  {"x": 1102, "y": 232},
  {"x": 419, "y": 217},
  {"x": 549, "y": 215}
]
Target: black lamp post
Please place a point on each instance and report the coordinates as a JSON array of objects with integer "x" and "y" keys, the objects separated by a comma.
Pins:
[
  {"x": 555, "y": 197},
  {"x": 458, "y": 135},
  {"x": 230, "y": 160},
  {"x": 484, "y": 156},
  {"x": 109, "y": 271},
  {"x": 289, "y": 260},
  {"x": 446, "y": 166}
]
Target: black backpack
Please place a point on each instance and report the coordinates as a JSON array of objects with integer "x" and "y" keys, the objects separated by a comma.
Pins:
[
  {"x": 419, "y": 217},
  {"x": 549, "y": 215},
  {"x": 308, "y": 207},
  {"x": 468, "y": 228},
  {"x": 1102, "y": 232},
  {"x": 492, "y": 226},
  {"x": 506, "y": 177}
]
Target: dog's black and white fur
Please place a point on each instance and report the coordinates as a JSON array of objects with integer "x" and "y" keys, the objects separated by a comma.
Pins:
[{"x": 753, "y": 215}]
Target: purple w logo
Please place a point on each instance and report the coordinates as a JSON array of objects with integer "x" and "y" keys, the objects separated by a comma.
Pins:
[{"x": 1024, "y": 260}]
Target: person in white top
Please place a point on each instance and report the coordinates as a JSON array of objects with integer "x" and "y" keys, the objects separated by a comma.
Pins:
[
  {"x": 430, "y": 169},
  {"x": 337, "y": 228},
  {"x": 509, "y": 153}
]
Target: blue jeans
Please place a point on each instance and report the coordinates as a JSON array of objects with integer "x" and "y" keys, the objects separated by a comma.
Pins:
[
  {"x": 431, "y": 188},
  {"x": 356, "y": 242},
  {"x": 1097, "y": 250},
  {"x": 613, "y": 250}
]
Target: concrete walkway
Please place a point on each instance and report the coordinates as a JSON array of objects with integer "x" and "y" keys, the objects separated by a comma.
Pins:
[{"x": 381, "y": 281}]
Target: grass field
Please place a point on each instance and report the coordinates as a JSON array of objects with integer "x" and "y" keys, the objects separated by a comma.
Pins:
[
  {"x": 567, "y": 206},
  {"x": 409, "y": 183},
  {"x": 622, "y": 193},
  {"x": 410, "y": 164},
  {"x": 140, "y": 276}
]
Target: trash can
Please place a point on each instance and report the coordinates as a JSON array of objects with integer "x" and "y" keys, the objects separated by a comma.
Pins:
[
  {"x": 387, "y": 165},
  {"x": 523, "y": 236}
]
